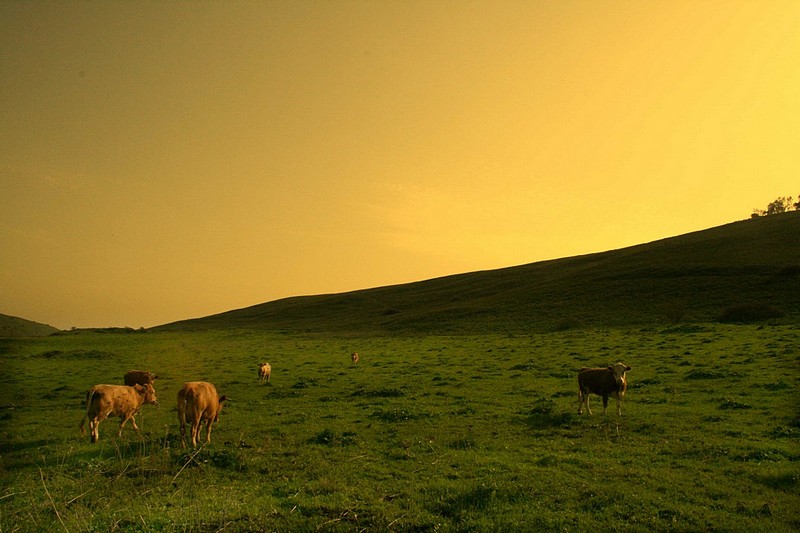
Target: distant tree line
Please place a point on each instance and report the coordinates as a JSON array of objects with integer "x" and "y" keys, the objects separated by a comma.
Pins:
[{"x": 781, "y": 204}]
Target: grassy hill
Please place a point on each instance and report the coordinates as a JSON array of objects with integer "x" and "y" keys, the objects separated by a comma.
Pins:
[
  {"x": 690, "y": 278},
  {"x": 11, "y": 326},
  {"x": 451, "y": 432}
]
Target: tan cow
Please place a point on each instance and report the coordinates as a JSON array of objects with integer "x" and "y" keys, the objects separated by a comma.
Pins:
[
  {"x": 132, "y": 377},
  {"x": 605, "y": 382},
  {"x": 199, "y": 401},
  {"x": 264, "y": 371},
  {"x": 354, "y": 357},
  {"x": 103, "y": 401}
]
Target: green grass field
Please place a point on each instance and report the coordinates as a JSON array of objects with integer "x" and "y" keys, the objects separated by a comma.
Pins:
[{"x": 431, "y": 433}]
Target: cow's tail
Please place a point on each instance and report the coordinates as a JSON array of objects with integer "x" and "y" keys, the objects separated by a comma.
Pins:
[
  {"x": 89, "y": 398},
  {"x": 182, "y": 415},
  {"x": 581, "y": 385}
]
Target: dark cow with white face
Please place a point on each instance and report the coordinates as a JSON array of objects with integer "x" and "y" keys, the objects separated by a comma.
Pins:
[
  {"x": 140, "y": 377},
  {"x": 605, "y": 382}
]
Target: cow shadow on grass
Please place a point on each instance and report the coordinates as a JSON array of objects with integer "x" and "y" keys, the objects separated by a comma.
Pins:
[
  {"x": 7, "y": 447},
  {"x": 17, "y": 455}
]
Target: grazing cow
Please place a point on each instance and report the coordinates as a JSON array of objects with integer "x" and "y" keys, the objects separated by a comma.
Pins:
[
  {"x": 199, "y": 401},
  {"x": 133, "y": 377},
  {"x": 354, "y": 357},
  {"x": 264, "y": 371},
  {"x": 123, "y": 401},
  {"x": 605, "y": 382}
]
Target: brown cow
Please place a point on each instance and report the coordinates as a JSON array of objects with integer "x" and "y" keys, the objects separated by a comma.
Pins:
[
  {"x": 354, "y": 357},
  {"x": 264, "y": 371},
  {"x": 605, "y": 382},
  {"x": 123, "y": 401},
  {"x": 199, "y": 401},
  {"x": 133, "y": 377}
]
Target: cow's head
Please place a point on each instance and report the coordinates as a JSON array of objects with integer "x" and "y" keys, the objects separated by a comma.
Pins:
[
  {"x": 148, "y": 392},
  {"x": 619, "y": 370},
  {"x": 219, "y": 407}
]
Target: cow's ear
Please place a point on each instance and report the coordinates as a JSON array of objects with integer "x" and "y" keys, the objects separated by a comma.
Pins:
[
  {"x": 222, "y": 398},
  {"x": 611, "y": 368},
  {"x": 138, "y": 387},
  {"x": 627, "y": 369}
]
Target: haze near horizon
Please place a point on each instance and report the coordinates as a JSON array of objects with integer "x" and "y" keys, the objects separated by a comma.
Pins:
[{"x": 164, "y": 161}]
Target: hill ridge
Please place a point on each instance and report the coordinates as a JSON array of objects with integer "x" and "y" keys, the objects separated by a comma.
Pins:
[
  {"x": 12, "y": 327},
  {"x": 701, "y": 272}
]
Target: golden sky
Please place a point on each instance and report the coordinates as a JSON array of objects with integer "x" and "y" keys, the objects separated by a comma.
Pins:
[{"x": 169, "y": 160}]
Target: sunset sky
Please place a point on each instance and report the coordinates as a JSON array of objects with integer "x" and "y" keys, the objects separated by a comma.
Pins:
[{"x": 169, "y": 160}]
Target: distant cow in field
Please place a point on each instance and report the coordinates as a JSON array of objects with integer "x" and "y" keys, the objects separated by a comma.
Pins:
[
  {"x": 605, "y": 382},
  {"x": 199, "y": 401},
  {"x": 264, "y": 371},
  {"x": 354, "y": 357},
  {"x": 123, "y": 401},
  {"x": 140, "y": 377}
]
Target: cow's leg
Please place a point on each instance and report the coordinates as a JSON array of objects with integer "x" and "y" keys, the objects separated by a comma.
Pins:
[
  {"x": 133, "y": 421},
  {"x": 605, "y": 404},
  {"x": 583, "y": 399},
  {"x": 93, "y": 423},
  {"x": 123, "y": 420},
  {"x": 182, "y": 419},
  {"x": 209, "y": 422},
  {"x": 195, "y": 431},
  {"x": 619, "y": 406}
]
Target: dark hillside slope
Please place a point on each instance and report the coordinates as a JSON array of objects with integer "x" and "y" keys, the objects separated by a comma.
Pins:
[
  {"x": 12, "y": 326},
  {"x": 693, "y": 277}
]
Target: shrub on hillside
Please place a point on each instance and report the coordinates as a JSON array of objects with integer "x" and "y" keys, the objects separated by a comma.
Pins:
[
  {"x": 750, "y": 312},
  {"x": 782, "y": 204}
]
